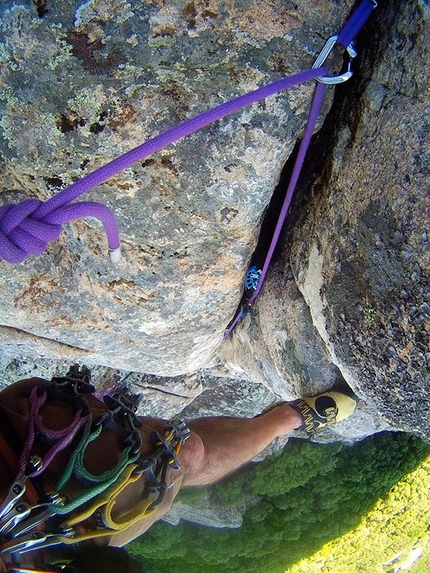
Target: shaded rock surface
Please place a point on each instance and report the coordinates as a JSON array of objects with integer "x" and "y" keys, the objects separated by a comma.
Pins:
[
  {"x": 347, "y": 300},
  {"x": 204, "y": 514}
]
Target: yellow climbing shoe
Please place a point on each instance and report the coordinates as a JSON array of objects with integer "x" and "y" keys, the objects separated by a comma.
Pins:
[{"x": 324, "y": 410}]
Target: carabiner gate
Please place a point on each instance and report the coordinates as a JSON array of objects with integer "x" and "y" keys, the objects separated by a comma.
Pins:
[{"x": 323, "y": 55}]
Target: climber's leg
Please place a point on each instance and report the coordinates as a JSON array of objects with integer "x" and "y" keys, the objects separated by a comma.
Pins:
[{"x": 219, "y": 446}]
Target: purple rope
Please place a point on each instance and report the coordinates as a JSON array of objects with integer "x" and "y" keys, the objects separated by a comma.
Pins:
[
  {"x": 62, "y": 437},
  {"x": 241, "y": 314},
  {"x": 355, "y": 23},
  {"x": 28, "y": 227},
  {"x": 21, "y": 233},
  {"x": 346, "y": 36},
  {"x": 304, "y": 145}
]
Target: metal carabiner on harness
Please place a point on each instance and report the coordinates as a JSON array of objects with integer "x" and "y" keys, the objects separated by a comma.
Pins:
[
  {"x": 17, "y": 489},
  {"x": 27, "y": 543},
  {"x": 323, "y": 55},
  {"x": 76, "y": 382},
  {"x": 181, "y": 432},
  {"x": 19, "y": 512},
  {"x": 28, "y": 523},
  {"x": 36, "y": 540}
]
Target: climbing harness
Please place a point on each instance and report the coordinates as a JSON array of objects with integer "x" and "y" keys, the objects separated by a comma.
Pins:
[
  {"x": 27, "y": 227},
  {"x": 55, "y": 517}
]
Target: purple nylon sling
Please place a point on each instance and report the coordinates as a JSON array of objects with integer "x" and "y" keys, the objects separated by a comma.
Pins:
[
  {"x": 312, "y": 119},
  {"x": 345, "y": 38},
  {"x": 60, "y": 438}
]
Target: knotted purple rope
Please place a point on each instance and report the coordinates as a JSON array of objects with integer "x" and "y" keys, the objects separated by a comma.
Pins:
[
  {"x": 27, "y": 228},
  {"x": 24, "y": 232}
]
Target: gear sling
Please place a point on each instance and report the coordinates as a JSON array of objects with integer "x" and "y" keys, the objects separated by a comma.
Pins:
[{"x": 57, "y": 497}]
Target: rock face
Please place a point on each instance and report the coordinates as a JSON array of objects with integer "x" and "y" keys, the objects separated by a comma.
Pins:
[
  {"x": 347, "y": 301},
  {"x": 349, "y": 296},
  {"x": 189, "y": 216},
  {"x": 205, "y": 515}
]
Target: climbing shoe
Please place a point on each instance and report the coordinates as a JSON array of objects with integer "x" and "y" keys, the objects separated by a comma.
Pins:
[{"x": 324, "y": 410}]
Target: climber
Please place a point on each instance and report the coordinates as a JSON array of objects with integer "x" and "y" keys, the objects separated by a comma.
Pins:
[{"x": 81, "y": 477}]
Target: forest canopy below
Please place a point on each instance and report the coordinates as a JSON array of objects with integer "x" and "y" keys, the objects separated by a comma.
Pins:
[{"x": 300, "y": 501}]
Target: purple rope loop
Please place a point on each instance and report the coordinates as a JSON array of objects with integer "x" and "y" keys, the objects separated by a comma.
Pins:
[
  {"x": 62, "y": 438},
  {"x": 23, "y": 232},
  {"x": 28, "y": 227}
]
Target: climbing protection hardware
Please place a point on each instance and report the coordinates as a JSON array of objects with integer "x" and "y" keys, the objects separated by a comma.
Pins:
[
  {"x": 56, "y": 519},
  {"x": 345, "y": 40}
]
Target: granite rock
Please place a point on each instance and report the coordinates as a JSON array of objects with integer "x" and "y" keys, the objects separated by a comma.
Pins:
[
  {"x": 351, "y": 282},
  {"x": 204, "y": 514},
  {"x": 346, "y": 302},
  {"x": 189, "y": 216}
]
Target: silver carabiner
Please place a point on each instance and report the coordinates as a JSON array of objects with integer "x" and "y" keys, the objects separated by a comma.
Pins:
[
  {"x": 35, "y": 541},
  {"x": 47, "y": 511},
  {"x": 16, "y": 491},
  {"x": 323, "y": 55},
  {"x": 17, "y": 514},
  {"x": 24, "y": 544}
]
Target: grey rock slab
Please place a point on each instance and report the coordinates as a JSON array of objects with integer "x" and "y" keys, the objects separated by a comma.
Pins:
[
  {"x": 205, "y": 514},
  {"x": 356, "y": 248},
  {"x": 81, "y": 85}
]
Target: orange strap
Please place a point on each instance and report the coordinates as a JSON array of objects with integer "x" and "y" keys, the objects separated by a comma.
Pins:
[{"x": 12, "y": 461}]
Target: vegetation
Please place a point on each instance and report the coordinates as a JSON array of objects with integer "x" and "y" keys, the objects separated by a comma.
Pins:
[
  {"x": 423, "y": 565},
  {"x": 301, "y": 502},
  {"x": 389, "y": 538}
]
